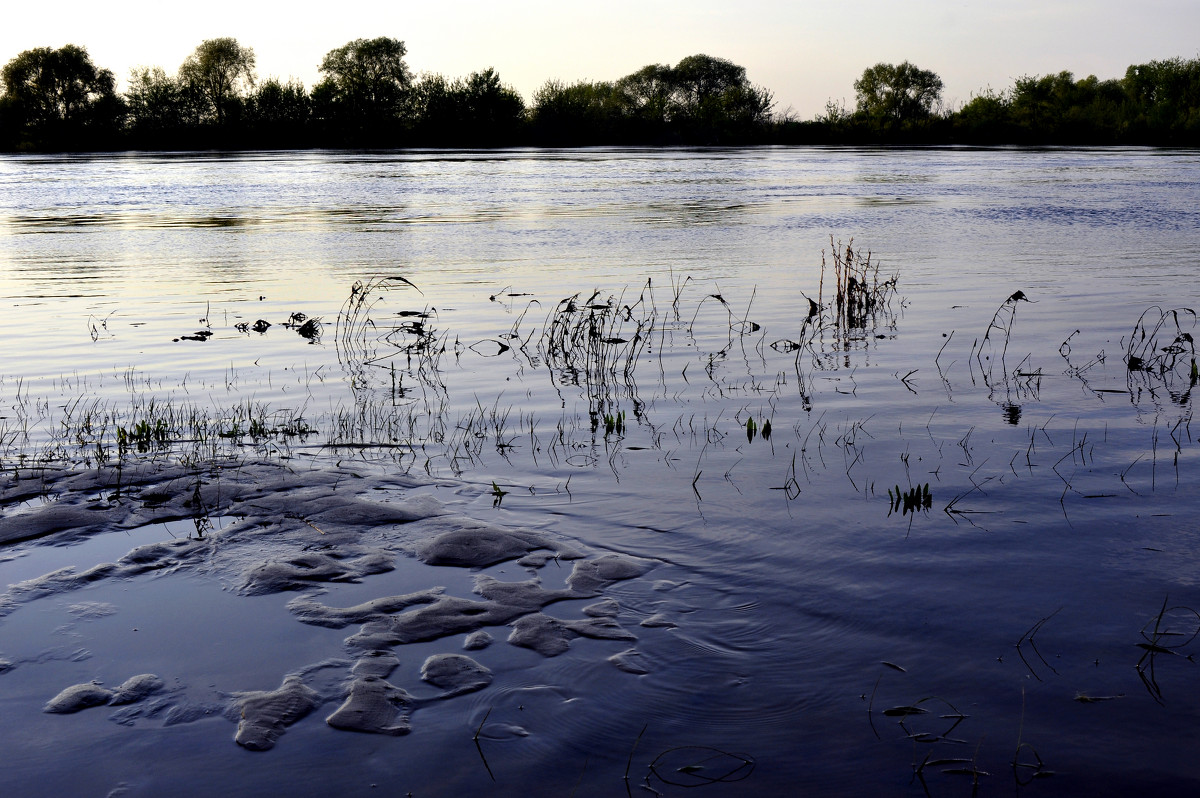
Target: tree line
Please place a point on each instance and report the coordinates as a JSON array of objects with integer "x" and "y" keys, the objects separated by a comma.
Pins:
[
  {"x": 58, "y": 99},
  {"x": 1157, "y": 103}
]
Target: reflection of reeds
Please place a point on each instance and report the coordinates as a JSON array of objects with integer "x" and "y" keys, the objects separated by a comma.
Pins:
[
  {"x": 858, "y": 292},
  {"x": 595, "y": 344},
  {"x": 992, "y": 350},
  {"x": 1170, "y": 631},
  {"x": 1161, "y": 353},
  {"x": 1145, "y": 350},
  {"x": 911, "y": 500}
]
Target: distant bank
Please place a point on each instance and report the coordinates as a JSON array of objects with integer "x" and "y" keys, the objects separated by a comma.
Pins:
[{"x": 59, "y": 100}]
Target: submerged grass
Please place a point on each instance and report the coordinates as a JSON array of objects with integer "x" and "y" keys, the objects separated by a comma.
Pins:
[
  {"x": 692, "y": 382},
  {"x": 631, "y": 374}
]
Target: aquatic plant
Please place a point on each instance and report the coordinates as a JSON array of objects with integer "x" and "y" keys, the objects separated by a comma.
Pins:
[
  {"x": 859, "y": 294},
  {"x": 1167, "y": 633},
  {"x": 594, "y": 343},
  {"x": 993, "y": 348},
  {"x": 1148, "y": 349},
  {"x": 911, "y": 500}
]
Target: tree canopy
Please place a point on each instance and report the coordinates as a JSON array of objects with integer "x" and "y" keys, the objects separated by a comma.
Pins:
[
  {"x": 55, "y": 95},
  {"x": 366, "y": 84},
  {"x": 895, "y": 94},
  {"x": 367, "y": 96},
  {"x": 702, "y": 99},
  {"x": 221, "y": 70}
]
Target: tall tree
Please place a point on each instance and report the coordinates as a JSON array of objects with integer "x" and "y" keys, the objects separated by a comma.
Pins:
[
  {"x": 898, "y": 94},
  {"x": 648, "y": 93},
  {"x": 221, "y": 70},
  {"x": 366, "y": 84},
  {"x": 52, "y": 96},
  {"x": 702, "y": 98},
  {"x": 493, "y": 110},
  {"x": 155, "y": 102},
  {"x": 578, "y": 114},
  {"x": 700, "y": 78},
  {"x": 277, "y": 113},
  {"x": 477, "y": 111}
]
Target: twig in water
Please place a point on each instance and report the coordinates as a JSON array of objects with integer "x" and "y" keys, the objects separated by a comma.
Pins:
[
  {"x": 479, "y": 747},
  {"x": 1028, "y": 638}
]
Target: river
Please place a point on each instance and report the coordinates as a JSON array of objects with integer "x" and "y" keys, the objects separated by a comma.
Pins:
[{"x": 941, "y": 541}]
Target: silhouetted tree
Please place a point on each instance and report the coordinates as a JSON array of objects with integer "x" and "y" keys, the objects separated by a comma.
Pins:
[
  {"x": 477, "y": 111},
  {"x": 365, "y": 87},
  {"x": 893, "y": 96},
  {"x": 434, "y": 107},
  {"x": 58, "y": 98},
  {"x": 277, "y": 114},
  {"x": 493, "y": 112},
  {"x": 701, "y": 99},
  {"x": 582, "y": 113},
  {"x": 156, "y": 104},
  {"x": 985, "y": 119},
  {"x": 698, "y": 79},
  {"x": 221, "y": 70},
  {"x": 648, "y": 96},
  {"x": 714, "y": 101}
]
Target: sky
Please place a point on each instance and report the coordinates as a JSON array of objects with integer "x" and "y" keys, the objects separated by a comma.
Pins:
[{"x": 806, "y": 52}]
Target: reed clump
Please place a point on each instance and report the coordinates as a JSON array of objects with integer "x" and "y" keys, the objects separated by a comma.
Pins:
[
  {"x": 1161, "y": 342},
  {"x": 859, "y": 293}
]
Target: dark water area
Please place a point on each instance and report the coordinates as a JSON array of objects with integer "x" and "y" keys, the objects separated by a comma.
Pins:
[{"x": 961, "y": 560}]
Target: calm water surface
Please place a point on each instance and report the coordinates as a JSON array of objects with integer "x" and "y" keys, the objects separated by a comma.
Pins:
[{"x": 795, "y": 599}]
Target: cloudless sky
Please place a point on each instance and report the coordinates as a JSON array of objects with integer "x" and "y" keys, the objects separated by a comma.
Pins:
[{"x": 805, "y": 51}]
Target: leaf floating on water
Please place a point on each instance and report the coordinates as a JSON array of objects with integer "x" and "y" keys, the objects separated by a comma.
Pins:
[
  {"x": 900, "y": 712},
  {"x": 1084, "y": 698},
  {"x": 406, "y": 281},
  {"x": 696, "y": 766},
  {"x": 784, "y": 345},
  {"x": 200, "y": 335},
  {"x": 310, "y": 329},
  {"x": 489, "y": 348},
  {"x": 924, "y": 737},
  {"x": 614, "y": 340},
  {"x": 892, "y": 664}
]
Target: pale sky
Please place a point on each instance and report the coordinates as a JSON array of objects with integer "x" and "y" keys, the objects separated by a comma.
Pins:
[{"x": 805, "y": 52}]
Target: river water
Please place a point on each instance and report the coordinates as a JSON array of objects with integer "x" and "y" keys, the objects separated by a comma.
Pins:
[{"x": 966, "y": 540}]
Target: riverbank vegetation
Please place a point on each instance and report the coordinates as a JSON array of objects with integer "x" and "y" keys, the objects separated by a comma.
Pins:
[{"x": 58, "y": 99}]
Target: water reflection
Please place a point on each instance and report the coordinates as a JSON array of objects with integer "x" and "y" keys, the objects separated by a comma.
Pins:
[{"x": 605, "y": 338}]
